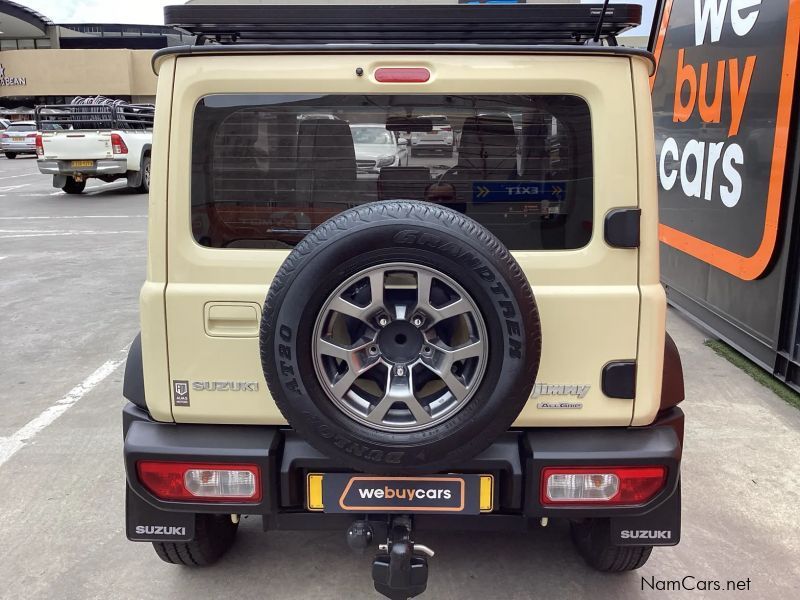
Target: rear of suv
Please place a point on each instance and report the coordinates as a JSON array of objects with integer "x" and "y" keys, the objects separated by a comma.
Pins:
[{"x": 477, "y": 343}]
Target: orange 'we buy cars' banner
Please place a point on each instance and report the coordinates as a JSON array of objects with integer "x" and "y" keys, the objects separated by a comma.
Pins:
[{"x": 722, "y": 100}]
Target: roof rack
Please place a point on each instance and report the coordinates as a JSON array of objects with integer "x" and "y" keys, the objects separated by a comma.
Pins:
[
  {"x": 480, "y": 24},
  {"x": 96, "y": 116}
]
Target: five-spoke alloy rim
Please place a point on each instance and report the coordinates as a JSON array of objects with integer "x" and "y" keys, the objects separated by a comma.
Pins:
[{"x": 400, "y": 347}]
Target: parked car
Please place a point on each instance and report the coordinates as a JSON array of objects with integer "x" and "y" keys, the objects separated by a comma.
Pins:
[
  {"x": 108, "y": 140},
  {"x": 439, "y": 139},
  {"x": 376, "y": 147},
  {"x": 19, "y": 138}
]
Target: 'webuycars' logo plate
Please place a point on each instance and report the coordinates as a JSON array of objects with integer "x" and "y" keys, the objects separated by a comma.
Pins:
[{"x": 445, "y": 493}]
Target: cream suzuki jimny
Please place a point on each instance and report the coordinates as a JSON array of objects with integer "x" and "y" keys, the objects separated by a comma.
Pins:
[{"x": 465, "y": 340}]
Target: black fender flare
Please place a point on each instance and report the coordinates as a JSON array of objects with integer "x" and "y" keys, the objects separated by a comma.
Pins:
[
  {"x": 133, "y": 381},
  {"x": 672, "y": 389}
]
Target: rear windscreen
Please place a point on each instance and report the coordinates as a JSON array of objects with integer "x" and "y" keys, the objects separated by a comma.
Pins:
[
  {"x": 13, "y": 128},
  {"x": 267, "y": 169}
]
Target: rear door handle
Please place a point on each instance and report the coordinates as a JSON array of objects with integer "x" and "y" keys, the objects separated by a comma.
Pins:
[{"x": 232, "y": 319}]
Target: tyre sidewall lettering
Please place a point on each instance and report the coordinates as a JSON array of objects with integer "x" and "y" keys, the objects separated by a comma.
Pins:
[{"x": 469, "y": 259}]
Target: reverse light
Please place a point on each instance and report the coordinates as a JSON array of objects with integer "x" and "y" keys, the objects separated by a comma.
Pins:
[
  {"x": 194, "y": 482},
  {"x": 118, "y": 144},
  {"x": 39, "y": 145},
  {"x": 402, "y": 75},
  {"x": 614, "y": 486}
]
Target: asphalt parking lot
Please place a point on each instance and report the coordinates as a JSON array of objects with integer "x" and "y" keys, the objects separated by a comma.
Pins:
[{"x": 70, "y": 272}]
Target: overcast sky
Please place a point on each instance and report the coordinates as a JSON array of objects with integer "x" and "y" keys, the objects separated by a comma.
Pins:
[
  {"x": 140, "y": 12},
  {"x": 647, "y": 16},
  {"x": 152, "y": 11}
]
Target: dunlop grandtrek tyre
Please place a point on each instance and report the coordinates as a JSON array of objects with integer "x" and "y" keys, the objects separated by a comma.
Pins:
[{"x": 400, "y": 337}]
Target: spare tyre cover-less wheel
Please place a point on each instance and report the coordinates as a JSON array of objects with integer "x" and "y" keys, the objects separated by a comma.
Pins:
[{"x": 400, "y": 337}]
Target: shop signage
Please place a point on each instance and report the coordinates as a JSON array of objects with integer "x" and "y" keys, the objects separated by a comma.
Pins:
[
  {"x": 6, "y": 80},
  {"x": 722, "y": 100}
]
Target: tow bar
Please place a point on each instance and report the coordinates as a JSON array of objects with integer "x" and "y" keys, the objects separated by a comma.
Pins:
[{"x": 400, "y": 570}]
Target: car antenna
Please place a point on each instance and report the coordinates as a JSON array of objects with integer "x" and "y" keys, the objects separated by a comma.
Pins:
[{"x": 595, "y": 41}]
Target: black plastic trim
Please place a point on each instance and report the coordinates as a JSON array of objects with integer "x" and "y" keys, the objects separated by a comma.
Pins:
[
  {"x": 425, "y": 49},
  {"x": 133, "y": 381},
  {"x": 672, "y": 388},
  {"x": 516, "y": 460},
  {"x": 622, "y": 227},
  {"x": 501, "y": 459},
  {"x": 146, "y": 439},
  {"x": 619, "y": 379},
  {"x": 658, "y": 444}
]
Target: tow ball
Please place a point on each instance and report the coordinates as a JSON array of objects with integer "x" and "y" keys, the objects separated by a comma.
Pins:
[{"x": 400, "y": 570}]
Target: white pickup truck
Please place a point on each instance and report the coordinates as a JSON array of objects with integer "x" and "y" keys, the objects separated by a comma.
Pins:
[{"x": 108, "y": 142}]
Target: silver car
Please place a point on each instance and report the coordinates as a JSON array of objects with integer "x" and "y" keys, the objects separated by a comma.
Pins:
[
  {"x": 19, "y": 138},
  {"x": 376, "y": 147},
  {"x": 439, "y": 139}
]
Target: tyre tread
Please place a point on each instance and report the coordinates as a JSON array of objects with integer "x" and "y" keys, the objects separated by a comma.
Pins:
[{"x": 214, "y": 535}]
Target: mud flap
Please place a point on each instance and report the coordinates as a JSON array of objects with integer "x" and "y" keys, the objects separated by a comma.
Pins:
[
  {"x": 146, "y": 523},
  {"x": 659, "y": 527}
]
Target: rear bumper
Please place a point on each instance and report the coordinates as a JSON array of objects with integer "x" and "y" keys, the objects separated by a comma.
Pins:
[
  {"x": 515, "y": 460},
  {"x": 432, "y": 145},
  {"x": 103, "y": 166},
  {"x": 18, "y": 147}
]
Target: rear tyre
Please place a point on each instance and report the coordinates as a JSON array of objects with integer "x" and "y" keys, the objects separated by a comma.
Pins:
[
  {"x": 11, "y": 155},
  {"x": 214, "y": 535},
  {"x": 592, "y": 539},
  {"x": 74, "y": 187},
  {"x": 144, "y": 188}
]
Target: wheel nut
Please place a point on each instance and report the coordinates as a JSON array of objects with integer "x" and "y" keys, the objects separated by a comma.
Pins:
[
  {"x": 399, "y": 370},
  {"x": 383, "y": 321},
  {"x": 426, "y": 350},
  {"x": 417, "y": 322},
  {"x": 373, "y": 350}
]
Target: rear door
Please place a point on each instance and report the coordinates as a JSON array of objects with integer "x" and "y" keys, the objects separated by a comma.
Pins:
[{"x": 543, "y": 153}]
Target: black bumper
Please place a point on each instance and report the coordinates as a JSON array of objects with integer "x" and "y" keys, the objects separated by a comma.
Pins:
[{"x": 515, "y": 460}]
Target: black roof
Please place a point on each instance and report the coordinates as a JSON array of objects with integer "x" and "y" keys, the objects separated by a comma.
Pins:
[{"x": 512, "y": 24}]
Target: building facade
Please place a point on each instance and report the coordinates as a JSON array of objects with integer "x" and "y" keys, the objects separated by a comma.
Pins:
[{"x": 42, "y": 62}]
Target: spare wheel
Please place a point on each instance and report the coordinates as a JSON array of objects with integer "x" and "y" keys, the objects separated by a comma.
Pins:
[{"x": 400, "y": 337}]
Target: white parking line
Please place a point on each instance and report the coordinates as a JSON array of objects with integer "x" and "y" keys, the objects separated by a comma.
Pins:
[
  {"x": 9, "y": 446},
  {"x": 10, "y": 188},
  {"x": 30, "y": 234},
  {"x": 75, "y": 217},
  {"x": 16, "y": 176}
]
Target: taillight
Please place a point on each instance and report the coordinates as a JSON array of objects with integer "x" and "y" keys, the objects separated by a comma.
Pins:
[
  {"x": 195, "y": 482},
  {"x": 402, "y": 75},
  {"x": 118, "y": 144},
  {"x": 39, "y": 145},
  {"x": 446, "y": 128},
  {"x": 615, "y": 486},
  {"x": 4, "y": 136}
]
